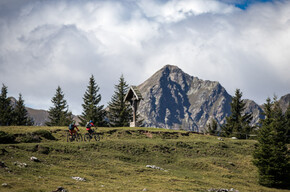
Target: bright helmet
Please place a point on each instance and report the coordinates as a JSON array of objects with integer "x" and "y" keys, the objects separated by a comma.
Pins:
[{"x": 91, "y": 121}]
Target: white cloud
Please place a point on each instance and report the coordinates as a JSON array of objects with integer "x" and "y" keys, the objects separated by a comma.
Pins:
[
  {"x": 44, "y": 44},
  {"x": 177, "y": 10}
]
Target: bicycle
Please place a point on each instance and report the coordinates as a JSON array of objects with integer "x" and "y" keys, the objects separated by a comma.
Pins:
[
  {"x": 94, "y": 135},
  {"x": 74, "y": 137}
]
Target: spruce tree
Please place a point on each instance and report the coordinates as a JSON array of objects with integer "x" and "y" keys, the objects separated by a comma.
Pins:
[
  {"x": 212, "y": 127},
  {"x": 237, "y": 124},
  {"x": 120, "y": 112},
  {"x": 92, "y": 110},
  {"x": 6, "y": 110},
  {"x": 59, "y": 114},
  {"x": 20, "y": 113},
  {"x": 270, "y": 155}
]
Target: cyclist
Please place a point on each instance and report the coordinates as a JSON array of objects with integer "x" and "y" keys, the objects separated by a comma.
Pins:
[
  {"x": 72, "y": 128},
  {"x": 89, "y": 126}
]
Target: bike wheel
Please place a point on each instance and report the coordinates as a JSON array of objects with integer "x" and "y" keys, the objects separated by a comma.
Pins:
[
  {"x": 70, "y": 138},
  {"x": 97, "y": 137},
  {"x": 79, "y": 137},
  {"x": 87, "y": 137}
]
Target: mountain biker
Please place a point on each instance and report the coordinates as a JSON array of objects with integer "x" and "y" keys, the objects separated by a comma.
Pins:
[
  {"x": 72, "y": 127},
  {"x": 89, "y": 125}
]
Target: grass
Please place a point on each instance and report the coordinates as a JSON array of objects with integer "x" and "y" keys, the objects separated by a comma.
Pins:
[{"x": 191, "y": 162}]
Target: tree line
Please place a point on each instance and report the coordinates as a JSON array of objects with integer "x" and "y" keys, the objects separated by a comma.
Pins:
[
  {"x": 119, "y": 112},
  {"x": 15, "y": 114}
]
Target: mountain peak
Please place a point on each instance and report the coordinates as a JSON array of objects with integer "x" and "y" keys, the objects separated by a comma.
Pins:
[
  {"x": 170, "y": 67},
  {"x": 174, "y": 99}
]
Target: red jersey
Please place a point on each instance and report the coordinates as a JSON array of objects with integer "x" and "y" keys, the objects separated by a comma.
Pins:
[{"x": 89, "y": 126}]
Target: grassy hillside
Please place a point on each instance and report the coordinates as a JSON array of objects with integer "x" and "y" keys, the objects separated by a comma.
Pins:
[{"x": 189, "y": 162}]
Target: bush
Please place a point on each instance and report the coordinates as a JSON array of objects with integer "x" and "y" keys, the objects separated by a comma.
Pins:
[{"x": 6, "y": 138}]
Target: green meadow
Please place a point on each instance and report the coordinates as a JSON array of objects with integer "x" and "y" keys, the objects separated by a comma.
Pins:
[{"x": 184, "y": 161}]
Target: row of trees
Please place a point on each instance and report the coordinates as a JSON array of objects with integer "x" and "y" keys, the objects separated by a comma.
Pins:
[
  {"x": 15, "y": 114},
  {"x": 118, "y": 114},
  {"x": 271, "y": 155}
]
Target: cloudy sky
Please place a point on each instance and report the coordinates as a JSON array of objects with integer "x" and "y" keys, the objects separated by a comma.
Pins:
[{"x": 242, "y": 44}]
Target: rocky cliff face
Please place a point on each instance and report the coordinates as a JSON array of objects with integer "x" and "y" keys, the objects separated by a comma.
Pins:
[
  {"x": 284, "y": 102},
  {"x": 176, "y": 100},
  {"x": 39, "y": 116},
  {"x": 255, "y": 109}
]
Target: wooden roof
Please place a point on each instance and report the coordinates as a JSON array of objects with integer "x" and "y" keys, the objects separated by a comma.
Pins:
[{"x": 133, "y": 93}]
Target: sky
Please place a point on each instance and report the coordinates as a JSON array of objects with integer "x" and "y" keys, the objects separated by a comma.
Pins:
[{"x": 49, "y": 43}]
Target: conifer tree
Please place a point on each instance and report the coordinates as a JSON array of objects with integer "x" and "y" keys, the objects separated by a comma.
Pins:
[
  {"x": 270, "y": 155},
  {"x": 237, "y": 124},
  {"x": 212, "y": 127},
  {"x": 6, "y": 110},
  {"x": 120, "y": 112},
  {"x": 59, "y": 114},
  {"x": 92, "y": 110},
  {"x": 20, "y": 113}
]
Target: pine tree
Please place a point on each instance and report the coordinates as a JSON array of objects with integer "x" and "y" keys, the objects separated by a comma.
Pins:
[
  {"x": 59, "y": 114},
  {"x": 91, "y": 108},
  {"x": 120, "y": 112},
  {"x": 212, "y": 127},
  {"x": 6, "y": 110},
  {"x": 20, "y": 113},
  {"x": 270, "y": 155},
  {"x": 237, "y": 124}
]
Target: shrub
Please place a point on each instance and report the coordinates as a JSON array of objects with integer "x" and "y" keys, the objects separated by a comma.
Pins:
[
  {"x": 6, "y": 137},
  {"x": 44, "y": 133},
  {"x": 28, "y": 138}
]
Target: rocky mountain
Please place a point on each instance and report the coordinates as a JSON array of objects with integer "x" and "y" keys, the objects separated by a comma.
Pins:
[
  {"x": 176, "y": 100},
  {"x": 39, "y": 116},
  {"x": 255, "y": 109},
  {"x": 284, "y": 102}
]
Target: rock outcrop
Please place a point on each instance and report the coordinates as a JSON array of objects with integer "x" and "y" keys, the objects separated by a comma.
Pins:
[{"x": 284, "y": 102}]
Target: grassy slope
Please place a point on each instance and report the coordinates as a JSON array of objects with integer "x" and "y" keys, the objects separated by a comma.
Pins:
[{"x": 118, "y": 162}]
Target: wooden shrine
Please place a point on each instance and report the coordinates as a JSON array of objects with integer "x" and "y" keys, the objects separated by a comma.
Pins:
[{"x": 134, "y": 97}]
